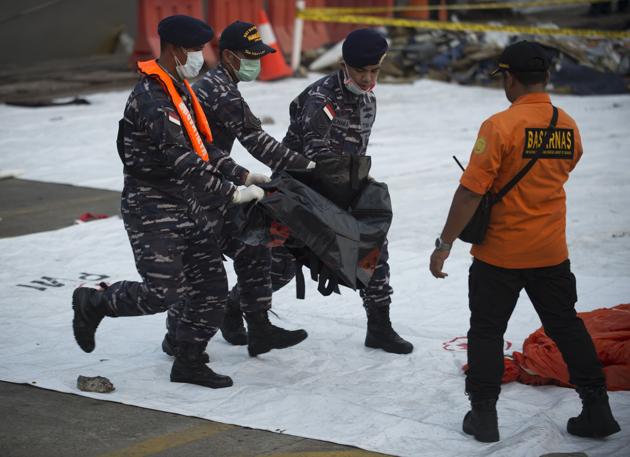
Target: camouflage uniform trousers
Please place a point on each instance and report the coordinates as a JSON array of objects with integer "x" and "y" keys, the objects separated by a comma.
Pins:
[
  {"x": 376, "y": 295},
  {"x": 253, "y": 290},
  {"x": 181, "y": 266}
]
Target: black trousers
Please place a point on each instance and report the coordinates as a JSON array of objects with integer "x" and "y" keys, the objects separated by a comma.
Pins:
[{"x": 493, "y": 293}]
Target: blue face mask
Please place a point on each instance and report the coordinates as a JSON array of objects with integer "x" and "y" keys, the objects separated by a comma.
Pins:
[{"x": 248, "y": 70}]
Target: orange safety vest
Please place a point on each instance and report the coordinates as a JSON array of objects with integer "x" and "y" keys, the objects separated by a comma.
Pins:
[{"x": 152, "y": 68}]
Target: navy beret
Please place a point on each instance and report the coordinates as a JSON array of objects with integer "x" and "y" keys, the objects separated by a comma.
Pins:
[
  {"x": 185, "y": 31},
  {"x": 364, "y": 47}
]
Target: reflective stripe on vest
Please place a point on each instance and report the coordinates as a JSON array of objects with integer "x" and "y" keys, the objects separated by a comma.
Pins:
[{"x": 152, "y": 68}]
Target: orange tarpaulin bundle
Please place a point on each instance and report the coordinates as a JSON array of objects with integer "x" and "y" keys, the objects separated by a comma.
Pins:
[{"x": 541, "y": 362}]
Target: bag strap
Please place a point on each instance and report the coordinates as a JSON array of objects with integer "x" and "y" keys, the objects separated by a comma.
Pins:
[
  {"x": 530, "y": 164},
  {"x": 300, "y": 286},
  {"x": 354, "y": 172}
]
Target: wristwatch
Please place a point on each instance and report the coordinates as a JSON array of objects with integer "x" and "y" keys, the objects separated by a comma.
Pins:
[{"x": 441, "y": 245}]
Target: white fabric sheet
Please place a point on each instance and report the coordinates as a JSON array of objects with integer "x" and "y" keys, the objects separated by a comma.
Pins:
[{"x": 330, "y": 386}]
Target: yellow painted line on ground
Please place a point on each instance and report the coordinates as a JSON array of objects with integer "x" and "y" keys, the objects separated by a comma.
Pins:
[
  {"x": 170, "y": 440},
  {"x": 352, "y": 453}
]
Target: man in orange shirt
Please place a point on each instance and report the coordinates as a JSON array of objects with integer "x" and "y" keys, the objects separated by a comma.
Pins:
[{"x": 524, "y": 246}]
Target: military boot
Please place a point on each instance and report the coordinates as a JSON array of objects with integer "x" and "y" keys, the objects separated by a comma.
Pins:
[
  {"x": 190, "y": 368},
  {"x": 482, "y": 422},
  {"x": 596, "y": 419},
  {"x": 263, "y": 336},
  {"x": 381, "y": 335},
  {"x": 169, "y": 346},
  {"x": 233, "y": 329},
  {"x": 89, "y": 310}
]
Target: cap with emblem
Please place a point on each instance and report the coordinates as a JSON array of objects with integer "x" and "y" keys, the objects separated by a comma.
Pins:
[
  {"x": 525, "y": 57},
  {"x": 244, "y": 37},
  {"x": 364, "y": 47},
  {"x": 184, "y": 31}
]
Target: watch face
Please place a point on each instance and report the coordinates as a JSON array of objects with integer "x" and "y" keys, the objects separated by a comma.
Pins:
[{"x": 437, "y": 243}]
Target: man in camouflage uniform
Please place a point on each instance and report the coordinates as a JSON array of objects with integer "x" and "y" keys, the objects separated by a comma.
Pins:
[
  {"x": 172, "y": 207},
  {"x": 334, "y": 116},
  {"x": 241, "y": 49}
]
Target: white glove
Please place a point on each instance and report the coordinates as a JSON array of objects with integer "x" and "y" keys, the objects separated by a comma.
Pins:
[
  {"x": 247, "y": 194},
  {"x": 256, "y": 178},
  {"x": 310, "y": 165}
]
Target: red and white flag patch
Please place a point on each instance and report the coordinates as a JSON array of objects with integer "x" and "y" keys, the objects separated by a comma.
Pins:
[
  {"x": 330, "y": 112},
  {"x": 174, "y": 119}
]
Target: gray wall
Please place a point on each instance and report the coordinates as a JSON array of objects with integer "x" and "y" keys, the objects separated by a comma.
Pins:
[{"x": 61, "y": 29}]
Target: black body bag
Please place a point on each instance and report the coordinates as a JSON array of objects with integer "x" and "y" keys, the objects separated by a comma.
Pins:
[
  {"x": 336, "y": 221},
  {"x": 475, "y": 230}
]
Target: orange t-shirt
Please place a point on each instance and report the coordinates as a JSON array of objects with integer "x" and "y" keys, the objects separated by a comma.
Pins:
[{"x": 527, "y": 227}]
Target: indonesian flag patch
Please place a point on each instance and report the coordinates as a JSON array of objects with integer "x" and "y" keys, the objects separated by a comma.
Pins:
[
  {"x": 174, "y": 119},
  {"x": 330, "y": 112}
]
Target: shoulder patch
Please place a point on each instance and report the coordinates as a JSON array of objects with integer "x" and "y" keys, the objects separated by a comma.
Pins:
[
  {"x": 329, "y": 110},
  {"x": 174, "y": 118},
  {"x": 480, "y": 145},
  {"x": 561, "y": 144},
  {"x": 250, "y": 121},
  {"x": 321, "y": 121}
]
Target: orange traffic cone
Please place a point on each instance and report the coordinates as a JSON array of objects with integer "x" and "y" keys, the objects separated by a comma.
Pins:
[{"x": 273, "y": 66}]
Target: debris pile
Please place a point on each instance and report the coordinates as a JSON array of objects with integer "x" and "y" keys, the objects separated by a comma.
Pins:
[{"x": 579, "y": 65}]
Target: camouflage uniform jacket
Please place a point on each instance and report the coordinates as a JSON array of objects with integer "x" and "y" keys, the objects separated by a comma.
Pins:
[
  {"x": 230, "y": 117},
  {"x": 166, "y": 184},
  {"x": 327, "y": 119}
]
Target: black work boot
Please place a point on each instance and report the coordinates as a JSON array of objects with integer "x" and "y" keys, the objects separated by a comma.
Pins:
[
  {"x": 482, "y": 422},
  {"x": 189, "y": 368},
  {"x": 263, "y": 336},
  {"x": 169, "y": 346},
  {"x": 596, "y": 419},
  {"x": 233, "y": 329},
  {"x": 89, "y": 311},
  {"x": 381, "y": 335}
]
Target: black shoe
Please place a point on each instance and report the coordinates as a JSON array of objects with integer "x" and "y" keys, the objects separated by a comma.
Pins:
[
  {"x": 262, "y": 336},
  {"x": 482, "y": 422},
  {"x": 233, "y": 329},
  {"x": 596, "y": 419},
  {"x": 381, "y": 335},
  {"x": 169, "y": 346},
  {"x": 89, "y": 311},
  {"x": 189, "y": 368}
]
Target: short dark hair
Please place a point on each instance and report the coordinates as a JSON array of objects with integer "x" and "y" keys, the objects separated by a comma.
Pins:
[
  {"x": 530, "y": 78},
  {"x": 163, "y": 44}
]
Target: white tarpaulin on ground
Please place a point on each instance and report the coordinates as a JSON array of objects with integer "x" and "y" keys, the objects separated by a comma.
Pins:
[{"x": 329, "y": 387}]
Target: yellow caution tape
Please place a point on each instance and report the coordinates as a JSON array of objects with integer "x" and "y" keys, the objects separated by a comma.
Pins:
[
  {"x": 474, "y": 6},
  {"x": 309, "y": 15}
]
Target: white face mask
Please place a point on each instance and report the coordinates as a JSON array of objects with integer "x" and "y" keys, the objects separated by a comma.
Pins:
[
  {"x": 353, "y": 87},
  {"x": 194, "y": 62}
]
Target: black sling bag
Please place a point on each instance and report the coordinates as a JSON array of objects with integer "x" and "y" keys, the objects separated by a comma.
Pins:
[{"x": 475, "y": 230}]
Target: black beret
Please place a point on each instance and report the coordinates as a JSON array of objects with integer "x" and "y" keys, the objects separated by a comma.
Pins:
[
  {"x": 523, "y": 57},
  {"x": 184, "y": 31},
  {"x": 243, "y": 36},
  {"x": 364, "y": 47}
]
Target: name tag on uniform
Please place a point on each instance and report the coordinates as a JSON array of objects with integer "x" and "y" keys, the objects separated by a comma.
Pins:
[
  {"x": 341, "y": 123},
  {"x": 561, "y": 144}
]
